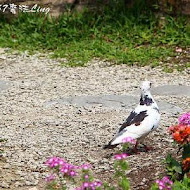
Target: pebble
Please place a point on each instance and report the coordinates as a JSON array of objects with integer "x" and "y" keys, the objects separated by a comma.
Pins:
[
  {"x": 18, "y": 184},
  {"x": 4, "y": 185},
  {"x": 33, "y": 188},
  {"x": 6, "y": 166}
]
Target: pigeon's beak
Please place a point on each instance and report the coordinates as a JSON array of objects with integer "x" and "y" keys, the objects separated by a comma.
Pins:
[{"x": 150, "y": 84}]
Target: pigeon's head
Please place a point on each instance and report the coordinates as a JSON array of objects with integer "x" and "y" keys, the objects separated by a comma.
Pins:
[{"x": 146, "y": 85}]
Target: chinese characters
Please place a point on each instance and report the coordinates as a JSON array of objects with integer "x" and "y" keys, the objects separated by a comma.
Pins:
[{"x": 13, "y": 8}]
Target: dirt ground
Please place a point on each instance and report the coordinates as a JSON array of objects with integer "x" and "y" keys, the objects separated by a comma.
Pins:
[{"x": 31, "y": 131}]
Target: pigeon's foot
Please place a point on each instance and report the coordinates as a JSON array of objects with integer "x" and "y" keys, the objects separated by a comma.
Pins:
[
  {"x": 148, "y": 148},
  {"x": 135, "y": 149}
]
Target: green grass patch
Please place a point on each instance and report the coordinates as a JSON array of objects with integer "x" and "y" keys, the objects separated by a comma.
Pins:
[{"x": 114, "y": 33}]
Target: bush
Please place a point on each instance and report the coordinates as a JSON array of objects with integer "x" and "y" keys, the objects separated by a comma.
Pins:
[{"x": 179, "y": 171}]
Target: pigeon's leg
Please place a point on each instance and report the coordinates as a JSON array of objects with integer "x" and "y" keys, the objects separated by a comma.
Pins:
[
  {"x": 135, "y": 150},
  {"x": 148, "y": 148}
]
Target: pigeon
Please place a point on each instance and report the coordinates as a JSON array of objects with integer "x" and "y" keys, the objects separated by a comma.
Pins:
[{"x": 141, "y": 121}]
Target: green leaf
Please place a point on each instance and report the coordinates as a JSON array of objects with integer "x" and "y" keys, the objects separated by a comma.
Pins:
[
  {"x": 107, "y": 187},
  {"x": 186, "y": 151},
  {"x": 154, "y": 187},
  {"x": 118, "y": 173},
  {"x": 124, "y": 184},
  {"x": 174, "y": 168},
  {"x": 123, "y": 165},
  {"x": 182, "y": 185}
]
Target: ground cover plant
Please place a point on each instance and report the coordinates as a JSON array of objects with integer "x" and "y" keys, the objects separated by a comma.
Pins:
[
  {"x": 114, "y": 33},
  {"x": 63, "y": 174},
  {"x": 178, "y": 169}
]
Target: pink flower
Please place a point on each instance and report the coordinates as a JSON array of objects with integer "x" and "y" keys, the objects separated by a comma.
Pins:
[
  {"x": 161, "y": 183},
  {"x": 64, "y": 167},
  {"x": 129, "y": 140},
  {"x": 157, "y": 181},
  {"x": 168, "y": 187},
  {"x": 85, "y": 166},
  {"x": 90, "y": 185},
  {"x": 117, "y": 157},
  {"x": 68, "y": 169},
  {"x": 72, "y": 173},
  {"x": 161, "y": 187},
  {"x": 64, "y": 170},
  {"x": 50, "y": 178},
  {"x": 164, "y": 183},
  {"x": 85, "y": 184},
  {"x": 124, "y": 155},
  {"x": 98, "y": 183},
  {"x": 54, "y": 162},
  {"x": 185, "y": 119},
  {"x": 61, "y": 162},
  {"x": 166, "y": 179},
  {"x": 120, "y": 156},
  {"x": 86, "y": 177}
]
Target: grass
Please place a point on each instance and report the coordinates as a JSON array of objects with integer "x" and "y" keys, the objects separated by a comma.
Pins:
[{"x": 115, "y": 33}]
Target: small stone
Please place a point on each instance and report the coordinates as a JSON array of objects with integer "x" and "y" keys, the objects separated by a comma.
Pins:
[
  {"x": 6, "y": 166},
  {"x": 29, "y": 183},
  {"x": 4, "y": 185},
  {"x": 144, "y": 180},
  {"x": 33, "y": 188},
  {"x": 178, "y": 49},
  {"x": 18, "y": 184}
]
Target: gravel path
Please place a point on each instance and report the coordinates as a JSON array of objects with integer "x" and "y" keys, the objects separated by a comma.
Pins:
[{"x": 34, "y": 131}]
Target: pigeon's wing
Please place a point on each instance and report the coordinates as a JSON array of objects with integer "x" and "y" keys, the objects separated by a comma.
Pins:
[
  {"x": 133, "y": 127},
  {"x": 134, "y": 118},
  {"x": 128, "y": 121}
]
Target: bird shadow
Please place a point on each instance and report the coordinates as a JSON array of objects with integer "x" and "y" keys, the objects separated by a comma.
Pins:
[{"x": 130, "y": 152}]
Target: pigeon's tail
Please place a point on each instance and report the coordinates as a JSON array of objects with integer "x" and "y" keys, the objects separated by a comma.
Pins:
[{"x": 109, "y": 145}]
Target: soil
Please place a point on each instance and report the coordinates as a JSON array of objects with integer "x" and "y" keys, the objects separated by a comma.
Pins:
[{"x": 30, "y": 131}]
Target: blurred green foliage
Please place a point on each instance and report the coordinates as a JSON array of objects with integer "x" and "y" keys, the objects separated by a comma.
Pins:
[{"x": 114, "y": 33}]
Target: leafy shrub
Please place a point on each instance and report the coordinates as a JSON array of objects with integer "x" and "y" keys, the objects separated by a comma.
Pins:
[
  {"x": 181, "y": 136},
  {"x": 182, "y": 185},
  {"x": 179, "y": 171}
]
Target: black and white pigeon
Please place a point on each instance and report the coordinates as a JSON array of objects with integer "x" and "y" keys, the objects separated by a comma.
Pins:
[{"x": 143, "y": 120}]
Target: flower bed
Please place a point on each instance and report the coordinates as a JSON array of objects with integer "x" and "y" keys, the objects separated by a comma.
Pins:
[{"x": 63, "y": 174}]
